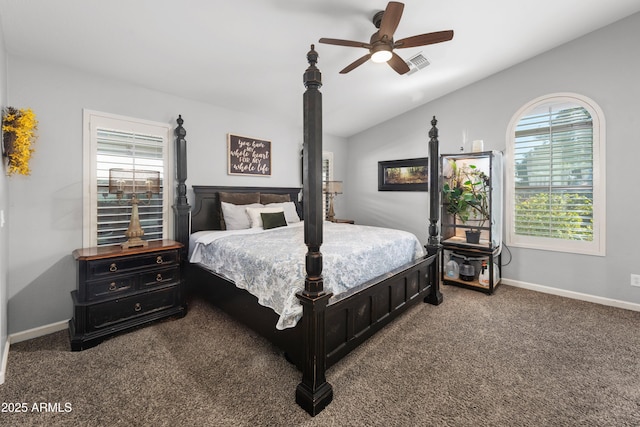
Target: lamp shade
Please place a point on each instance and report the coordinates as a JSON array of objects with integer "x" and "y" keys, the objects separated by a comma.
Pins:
[
  {"x": 132, "y": 181},
  {"x": 333, "y": 187}
]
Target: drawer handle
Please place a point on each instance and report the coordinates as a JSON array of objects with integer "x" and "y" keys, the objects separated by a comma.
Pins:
[
  {"x": 137, "y": 307},
  {"x": 113, "y": 286},
  {"x": 159, "y": 278},
  {"x": 113, "y": 267},
  {"x": 159, "y": 260}
]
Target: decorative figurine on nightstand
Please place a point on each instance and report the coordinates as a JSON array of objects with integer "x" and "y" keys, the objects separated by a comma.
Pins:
[
  {"x": 125, "y": 181},
  {"x": 331, "y": 188}
]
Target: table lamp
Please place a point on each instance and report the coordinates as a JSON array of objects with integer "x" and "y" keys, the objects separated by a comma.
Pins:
[
  {"x": 133, "y": 182},
  {"x": 332, "y": 188}
]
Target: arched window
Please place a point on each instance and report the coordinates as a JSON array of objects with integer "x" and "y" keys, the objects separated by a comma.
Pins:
[{"x": 555, "y": 175}]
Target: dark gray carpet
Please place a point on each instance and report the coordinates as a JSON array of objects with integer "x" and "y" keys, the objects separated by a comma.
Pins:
[{"x": 516, "y": 358}]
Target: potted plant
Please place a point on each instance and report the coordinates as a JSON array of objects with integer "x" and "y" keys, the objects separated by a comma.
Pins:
[{"x": 466, "y": 196}]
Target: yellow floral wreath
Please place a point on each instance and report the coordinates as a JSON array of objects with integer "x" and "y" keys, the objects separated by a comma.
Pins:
[{"x": 19, "y": 133}]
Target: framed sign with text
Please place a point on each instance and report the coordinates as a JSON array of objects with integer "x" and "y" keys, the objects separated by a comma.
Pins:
[{"x": 248, "y": 156}]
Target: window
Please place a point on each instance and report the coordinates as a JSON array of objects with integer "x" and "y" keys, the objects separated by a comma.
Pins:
[
  {"x": 327, "y": 175},
  {"x": 120, "y": 142},
  {"x": 555, "y": 175}
]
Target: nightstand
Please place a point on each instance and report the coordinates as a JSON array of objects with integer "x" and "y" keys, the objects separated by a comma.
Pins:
[
  {"x": 344, "y": 221},
  {"x": 119, "y": 289}
]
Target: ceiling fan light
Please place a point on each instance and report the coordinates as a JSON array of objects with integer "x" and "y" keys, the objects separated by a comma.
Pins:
[{"x": 381, "y": 56}]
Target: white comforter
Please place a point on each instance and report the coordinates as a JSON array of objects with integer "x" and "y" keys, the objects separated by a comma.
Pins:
[{"x": 270, "y": 264}]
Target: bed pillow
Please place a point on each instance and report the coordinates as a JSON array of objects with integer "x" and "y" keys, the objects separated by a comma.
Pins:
[
  {"x": 235, "y": 216},
  {"x": 273, "y": 220},
  {"x": 239, "y": 198},
  {"x": 266, "y": 198},
  {"x": 254, "y": 214},
  {"x": 235, "y": 199},
  {"x": 289, "y": 208}
]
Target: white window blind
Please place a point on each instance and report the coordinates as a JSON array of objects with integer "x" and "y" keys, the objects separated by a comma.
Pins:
[
  {"x": 555, "y": 196},
  {"x": 127, "y": 150},
  {"x": 327, "y": 175},
  {"x": 554, "y": 174}
]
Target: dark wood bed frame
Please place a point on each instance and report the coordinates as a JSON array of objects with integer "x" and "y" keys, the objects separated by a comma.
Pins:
[{"x": 328, "y": 330}]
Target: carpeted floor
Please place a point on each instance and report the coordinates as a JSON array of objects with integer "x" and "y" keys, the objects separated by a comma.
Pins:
[{"x": 516, "y": 358}]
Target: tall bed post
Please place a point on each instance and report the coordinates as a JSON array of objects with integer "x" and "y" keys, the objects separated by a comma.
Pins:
[
  {"x": 181, "y": 207},
  {"x": 314, "y": 393},
  {"x": 433, "y": 245}
]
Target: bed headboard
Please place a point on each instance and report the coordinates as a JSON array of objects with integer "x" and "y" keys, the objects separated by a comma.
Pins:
[{"x": 205, "y": 214}]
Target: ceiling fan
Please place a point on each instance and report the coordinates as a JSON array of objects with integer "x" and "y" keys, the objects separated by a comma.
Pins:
[{"x": 382, "y": 44}]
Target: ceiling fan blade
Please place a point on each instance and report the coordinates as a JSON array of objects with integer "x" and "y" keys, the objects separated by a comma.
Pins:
[
  {"x": 398, "y": 64},
  {"x": 356, "y": 63},
  {"x": 424, "y": 39},
  {"x": 349, "y": 43},
  {"x": 391, "y": 19}
]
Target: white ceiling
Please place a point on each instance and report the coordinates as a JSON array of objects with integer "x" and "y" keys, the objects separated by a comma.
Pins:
[{"x": 250, "y": 55}]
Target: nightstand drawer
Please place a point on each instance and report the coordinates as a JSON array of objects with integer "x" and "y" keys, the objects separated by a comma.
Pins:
[
  {"x": 132, "y": 263},
  {"x": 107, "y": 288},
  {"x": 159, "y": 277},
  {"x": 108, "y": 313}
]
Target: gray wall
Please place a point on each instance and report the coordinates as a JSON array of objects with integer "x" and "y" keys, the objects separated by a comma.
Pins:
[
  {"x": 4, "y": 204},
  {"x": 46, "y": 207},
  {"x": 604, "y": 66}
]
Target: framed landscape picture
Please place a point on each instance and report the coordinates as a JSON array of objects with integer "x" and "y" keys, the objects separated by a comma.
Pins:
[{"x": 404, "y": 175}]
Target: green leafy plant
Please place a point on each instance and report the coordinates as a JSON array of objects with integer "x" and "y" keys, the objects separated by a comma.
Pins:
[
  {"x": 466, "y": 195},
  {"x": 567, "y": 216}
]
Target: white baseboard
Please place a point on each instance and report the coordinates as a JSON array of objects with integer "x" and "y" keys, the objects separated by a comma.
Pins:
[
  {"x": 27, "y": 335},
  {"x": 573, "y": 295},
  {"x": 5, "y": 360},
  {"x": 38, "y": 332}
]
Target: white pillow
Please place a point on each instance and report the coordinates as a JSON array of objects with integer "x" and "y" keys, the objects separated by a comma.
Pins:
[
  {"x": 254, "y": 214},
  {"x": 290, "y": 213},
  {"x": 235, "y": 216}
]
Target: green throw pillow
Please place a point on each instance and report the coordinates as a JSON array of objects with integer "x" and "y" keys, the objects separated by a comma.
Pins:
[{"x": 273, "y": 220}]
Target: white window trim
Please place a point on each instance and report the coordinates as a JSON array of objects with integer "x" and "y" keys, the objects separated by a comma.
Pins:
[
  {"x": 92, "y": 119},
  {"x": 598, "y": 245}
]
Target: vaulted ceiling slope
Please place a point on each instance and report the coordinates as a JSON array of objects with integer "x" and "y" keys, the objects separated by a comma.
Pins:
[{"x": 249, "y": 55}]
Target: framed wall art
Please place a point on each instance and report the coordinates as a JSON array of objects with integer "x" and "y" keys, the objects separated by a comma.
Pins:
[
  {"x": 248, "y": 156},
  {"x": 403, "y": 175}
]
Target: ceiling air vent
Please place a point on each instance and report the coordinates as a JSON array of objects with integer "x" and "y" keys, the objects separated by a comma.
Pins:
[{"x": 417, "y": 62}]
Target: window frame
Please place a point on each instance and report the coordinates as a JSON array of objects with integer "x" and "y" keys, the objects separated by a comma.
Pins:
[
  {"x": 598, "y": 245},
  {"x": 94, "y": 119}
]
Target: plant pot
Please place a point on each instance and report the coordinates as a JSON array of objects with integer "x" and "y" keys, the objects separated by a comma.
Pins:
[{"x": 473, "y": 236}]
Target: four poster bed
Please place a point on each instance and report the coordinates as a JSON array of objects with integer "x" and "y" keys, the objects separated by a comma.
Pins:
[{"x": 320, "y": 328}]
